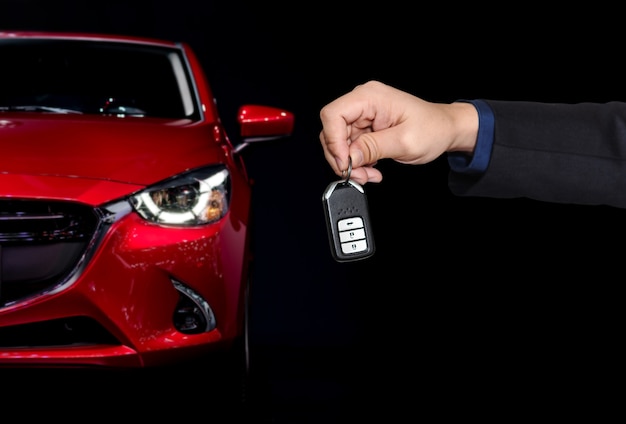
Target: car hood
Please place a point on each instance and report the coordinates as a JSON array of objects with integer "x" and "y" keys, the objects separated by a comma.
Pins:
[{"x": 96, "y": 159}]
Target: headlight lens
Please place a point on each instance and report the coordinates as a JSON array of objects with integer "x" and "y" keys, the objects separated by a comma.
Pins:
[{"x": 199, "y": 197}]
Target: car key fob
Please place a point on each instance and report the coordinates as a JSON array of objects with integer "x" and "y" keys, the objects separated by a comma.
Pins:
[{"x": 348, "y": 221}]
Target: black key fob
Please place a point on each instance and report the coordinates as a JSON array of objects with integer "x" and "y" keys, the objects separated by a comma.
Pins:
[{"x": 348, "y": 221}]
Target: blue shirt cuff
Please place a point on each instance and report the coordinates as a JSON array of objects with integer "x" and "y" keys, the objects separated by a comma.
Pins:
[{"x": 478, "y": 162}]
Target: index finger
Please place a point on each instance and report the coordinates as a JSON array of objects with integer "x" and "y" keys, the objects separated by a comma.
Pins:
[{"x": 337, "y": 118}]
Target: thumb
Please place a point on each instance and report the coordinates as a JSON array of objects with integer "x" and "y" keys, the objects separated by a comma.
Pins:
[{"x": 370, "y": 147}]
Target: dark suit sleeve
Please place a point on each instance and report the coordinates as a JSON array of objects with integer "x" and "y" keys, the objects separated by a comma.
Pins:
[{"x": 563, "y": 153}]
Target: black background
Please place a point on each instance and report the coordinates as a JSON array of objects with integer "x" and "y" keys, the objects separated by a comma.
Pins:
[{"x": 472, "y": 308}]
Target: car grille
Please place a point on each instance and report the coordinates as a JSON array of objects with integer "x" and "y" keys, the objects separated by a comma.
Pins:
[{"x": 42, "y": 245}]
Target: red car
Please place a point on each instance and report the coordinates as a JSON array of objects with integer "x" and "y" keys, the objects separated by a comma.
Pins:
[{"x": 125, "y": 207}]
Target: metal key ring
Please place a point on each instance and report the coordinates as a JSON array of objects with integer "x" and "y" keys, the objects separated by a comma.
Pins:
[{"x": 347, "y": 172}]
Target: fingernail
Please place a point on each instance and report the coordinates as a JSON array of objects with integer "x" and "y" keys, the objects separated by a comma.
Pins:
[{"x": 339, "y": 163}]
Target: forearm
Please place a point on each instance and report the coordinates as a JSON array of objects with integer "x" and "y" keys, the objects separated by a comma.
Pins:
[{"x": 555, "y": 153}]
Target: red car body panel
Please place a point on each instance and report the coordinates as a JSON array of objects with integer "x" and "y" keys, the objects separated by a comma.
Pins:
[
  {"x": 124, "y": 281},
  {"x": 70, "y": 147}
]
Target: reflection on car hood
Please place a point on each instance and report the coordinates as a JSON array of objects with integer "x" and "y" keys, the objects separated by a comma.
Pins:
[{"x": 71, "y": 155}]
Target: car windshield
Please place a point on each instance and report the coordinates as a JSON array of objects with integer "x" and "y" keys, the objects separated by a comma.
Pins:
[{"x": 95, "y": 77}]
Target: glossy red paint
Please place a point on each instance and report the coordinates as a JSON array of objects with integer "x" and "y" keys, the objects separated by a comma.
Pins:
[
  {"x": 273, "y": 120},
  {"x": 114, "y": 305},
  {"x": 132, "y": 151}
]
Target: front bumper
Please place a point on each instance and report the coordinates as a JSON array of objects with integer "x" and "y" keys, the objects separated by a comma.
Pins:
[{"x": 117, "y": 304}]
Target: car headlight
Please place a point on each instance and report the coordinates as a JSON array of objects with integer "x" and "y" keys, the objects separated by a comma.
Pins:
[{"x": 196, "y": 198}]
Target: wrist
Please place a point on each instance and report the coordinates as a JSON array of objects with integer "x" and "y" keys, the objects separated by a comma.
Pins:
[{"x": 465, "y": 123}]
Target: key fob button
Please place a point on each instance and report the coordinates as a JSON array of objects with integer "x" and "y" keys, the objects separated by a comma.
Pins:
[
  {"x": 354, "y": 246},
  {"x": 350, "y": 223}
]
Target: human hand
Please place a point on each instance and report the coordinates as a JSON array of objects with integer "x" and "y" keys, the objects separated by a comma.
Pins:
[{"x": 376, "y": 121}]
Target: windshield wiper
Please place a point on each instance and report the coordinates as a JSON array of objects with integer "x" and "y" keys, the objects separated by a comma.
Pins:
[{"x": 38, "y": 108}]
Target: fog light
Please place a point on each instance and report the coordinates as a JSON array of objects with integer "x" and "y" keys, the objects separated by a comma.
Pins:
[{"x": 192, "y": 315}]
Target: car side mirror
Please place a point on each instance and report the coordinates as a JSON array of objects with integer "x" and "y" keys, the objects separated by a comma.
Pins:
[{"x": 262, "y": 123}]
